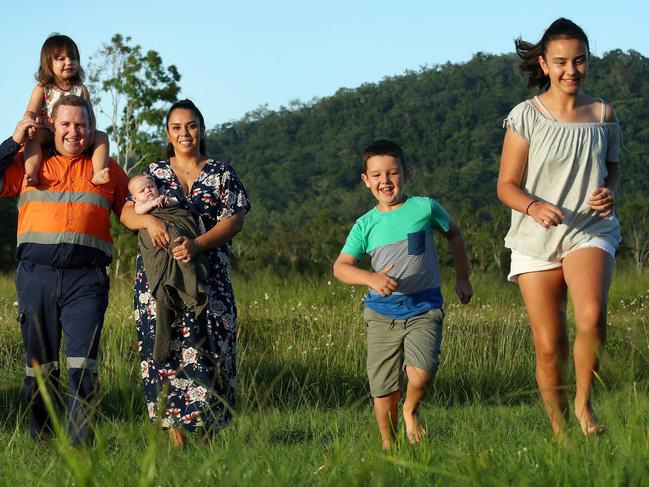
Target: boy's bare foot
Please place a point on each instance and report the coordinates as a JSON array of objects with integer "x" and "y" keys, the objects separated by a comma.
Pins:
[
  {"x": 414, "y": 429},
  {"x": 102, "y": 177},
  {"x": 30, "y": 180},
  {"x": 177, "y": 437}
]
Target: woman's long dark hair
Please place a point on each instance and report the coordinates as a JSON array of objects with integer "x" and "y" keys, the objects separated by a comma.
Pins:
[
  {"x": 529, "y": 53},
  {"x": 187, "y": 105}
]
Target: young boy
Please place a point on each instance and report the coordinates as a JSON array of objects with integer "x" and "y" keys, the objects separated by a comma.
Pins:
[
  {"x": 173, "y": 285},
  {"x": 403, "y": 309}
]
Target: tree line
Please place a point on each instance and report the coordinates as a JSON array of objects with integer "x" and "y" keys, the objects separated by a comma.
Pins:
[{"x": 301, "y": 163}]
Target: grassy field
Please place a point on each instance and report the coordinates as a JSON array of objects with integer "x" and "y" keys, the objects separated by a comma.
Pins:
[{"x": 304, "y": 416}]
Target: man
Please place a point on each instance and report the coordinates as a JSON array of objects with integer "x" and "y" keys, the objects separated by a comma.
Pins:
[{"x": 64, "y": 246}]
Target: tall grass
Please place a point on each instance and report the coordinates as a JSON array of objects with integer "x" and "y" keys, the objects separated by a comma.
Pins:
[{"x": 304, "y": 416}]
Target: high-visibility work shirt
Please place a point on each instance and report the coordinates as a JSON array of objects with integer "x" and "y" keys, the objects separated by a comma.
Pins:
[{"x": 64, "y": 222}]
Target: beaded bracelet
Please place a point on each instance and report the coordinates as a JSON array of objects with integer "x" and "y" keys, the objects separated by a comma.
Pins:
[{"x": 527, "y": 210}]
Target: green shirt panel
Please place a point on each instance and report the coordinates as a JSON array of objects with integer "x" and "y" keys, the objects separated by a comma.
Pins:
[{"x": 378, "y": 228}]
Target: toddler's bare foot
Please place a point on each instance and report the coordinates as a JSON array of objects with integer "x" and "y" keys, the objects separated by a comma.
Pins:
[
  {"x": 177, "y": 437},
  {"x": 102, "y": 177},
  {"x": 30, "y": 180},
  {"x": 386, "y": 444},
  {"x": 414, "y": 429}
]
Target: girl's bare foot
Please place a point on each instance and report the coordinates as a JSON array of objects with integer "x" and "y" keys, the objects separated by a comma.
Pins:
[
  {"x": 177, "y": 437},
  {"x": 590, "y": 425},
  {"x": 102, "y": 177},
  {"x": 558, "y": 426},
  {"x": 414, "y": 429}
]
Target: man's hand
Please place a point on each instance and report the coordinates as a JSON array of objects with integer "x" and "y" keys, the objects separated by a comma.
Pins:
[{"x": 25, "y": 129}]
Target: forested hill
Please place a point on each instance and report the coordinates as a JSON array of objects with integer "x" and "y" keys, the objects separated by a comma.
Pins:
[{"x": 301, "y": 164}]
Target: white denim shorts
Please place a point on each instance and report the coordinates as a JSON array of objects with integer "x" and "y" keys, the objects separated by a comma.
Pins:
[{"x": 521, "y": 264}]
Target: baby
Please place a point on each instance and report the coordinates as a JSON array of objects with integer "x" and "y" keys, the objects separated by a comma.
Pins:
[
  {"x": 175, "y": 286},
  {"x": 146, "y": 195}
]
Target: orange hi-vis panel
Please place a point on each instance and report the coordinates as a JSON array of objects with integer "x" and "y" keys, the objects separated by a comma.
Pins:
[{"x": 65, "y": 207}]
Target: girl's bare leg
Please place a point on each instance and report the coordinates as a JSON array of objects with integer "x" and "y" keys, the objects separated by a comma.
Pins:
[
  {"x": 545, "y": 298},
  {"x": 385, "y": 411},
  {"x": 101, "y": 174},
  {"x": 34, "y": 156},
  {"x": 588, "y": 273},
  {"x": 418, "y": 381}
]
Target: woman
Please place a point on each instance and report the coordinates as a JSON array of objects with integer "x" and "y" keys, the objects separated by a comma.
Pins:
[
  {"x": 559, "y": 173},
  {"x": 194, "y": 386}
]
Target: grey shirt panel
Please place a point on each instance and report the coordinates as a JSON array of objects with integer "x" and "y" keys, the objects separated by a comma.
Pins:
[{"x": 413, "y": 273}]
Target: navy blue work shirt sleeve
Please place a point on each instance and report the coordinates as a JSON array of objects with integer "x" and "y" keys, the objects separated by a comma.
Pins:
[{"x": 8, "y": 149}]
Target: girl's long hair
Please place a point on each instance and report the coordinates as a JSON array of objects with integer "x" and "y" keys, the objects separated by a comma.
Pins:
[
  {"x": 529, "y": 53},
  {"x": 54, "y": 45}
]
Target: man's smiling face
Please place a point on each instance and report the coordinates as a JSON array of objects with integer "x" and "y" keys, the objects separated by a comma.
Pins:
[{"x": 71, "y": 130}]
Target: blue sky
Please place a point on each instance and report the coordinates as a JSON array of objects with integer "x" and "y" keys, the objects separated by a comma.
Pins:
[{"x": 236, "y": 56}]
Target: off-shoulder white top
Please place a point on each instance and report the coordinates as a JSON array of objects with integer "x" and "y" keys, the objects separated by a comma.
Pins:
[{"x": 566, "y": 163}]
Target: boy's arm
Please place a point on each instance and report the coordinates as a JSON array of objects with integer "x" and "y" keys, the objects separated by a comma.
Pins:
[
  {"x": 463, "y": 287},
  {"x": 346, "y": 270}
]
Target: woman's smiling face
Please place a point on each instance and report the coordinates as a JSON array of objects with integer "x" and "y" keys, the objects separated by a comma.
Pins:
[{"x": 184, "y": 131}]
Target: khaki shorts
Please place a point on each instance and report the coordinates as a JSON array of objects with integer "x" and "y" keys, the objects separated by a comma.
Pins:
[{"x": 394, "y": 344}]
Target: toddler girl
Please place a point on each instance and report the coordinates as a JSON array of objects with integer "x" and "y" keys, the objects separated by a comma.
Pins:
[{"x": 59, "y": 74}]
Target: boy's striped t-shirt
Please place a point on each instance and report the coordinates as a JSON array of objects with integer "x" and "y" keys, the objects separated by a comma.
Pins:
[{"x": 403, "y": 237}]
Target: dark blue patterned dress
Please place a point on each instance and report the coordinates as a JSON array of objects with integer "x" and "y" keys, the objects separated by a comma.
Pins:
[{"x": 195, "y": 386}]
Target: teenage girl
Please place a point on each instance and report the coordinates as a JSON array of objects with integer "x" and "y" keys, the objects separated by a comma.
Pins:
[
  {"x": 59, "y": 74},
  {"x": 559, "y": 174}
]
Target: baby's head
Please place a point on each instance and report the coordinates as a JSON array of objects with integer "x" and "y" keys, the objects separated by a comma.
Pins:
[{"x": 142, "y": 188}]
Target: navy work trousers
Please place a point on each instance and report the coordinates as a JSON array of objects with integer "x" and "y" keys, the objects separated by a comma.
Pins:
[{"x": 53, "y": 302}]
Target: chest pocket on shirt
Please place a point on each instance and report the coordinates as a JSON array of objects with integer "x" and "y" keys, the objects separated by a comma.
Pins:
[{"x": 417, "y": 243}]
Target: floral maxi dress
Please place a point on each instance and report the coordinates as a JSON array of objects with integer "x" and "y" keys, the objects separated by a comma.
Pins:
[{"x": 194, "y": 386}]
